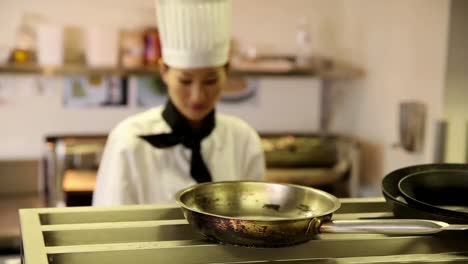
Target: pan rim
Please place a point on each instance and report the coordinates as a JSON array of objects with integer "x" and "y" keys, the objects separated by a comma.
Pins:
[
  {"x": 334, "y": 199},
  {"x": 441, "y": 210},
  {"x": 415, "y": 169}
]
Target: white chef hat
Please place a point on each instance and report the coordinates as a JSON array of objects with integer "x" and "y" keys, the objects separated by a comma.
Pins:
[{"x": 194, "y": 33}]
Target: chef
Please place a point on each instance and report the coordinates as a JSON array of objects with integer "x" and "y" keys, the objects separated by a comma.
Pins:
[{"x": 150, "y": 156}]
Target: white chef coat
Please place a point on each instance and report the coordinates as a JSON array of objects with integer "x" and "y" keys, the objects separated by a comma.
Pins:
[{"x": 132, "y": 171}]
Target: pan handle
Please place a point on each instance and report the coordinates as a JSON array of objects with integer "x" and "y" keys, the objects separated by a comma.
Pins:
[{"x": 388, "y": 226}]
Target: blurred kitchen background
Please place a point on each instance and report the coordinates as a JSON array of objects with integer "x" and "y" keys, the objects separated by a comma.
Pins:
[{"x": 342, "y": 92}]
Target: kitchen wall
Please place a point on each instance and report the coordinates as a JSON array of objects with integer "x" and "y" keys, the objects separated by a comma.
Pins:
[
  {"x": 28, "y": 116},
  {"x": 277, "y": 96},
  {"x": 401, "y": 44},
  {"x": 456, "y": 92},
  {"x": 267, "y": 24}
]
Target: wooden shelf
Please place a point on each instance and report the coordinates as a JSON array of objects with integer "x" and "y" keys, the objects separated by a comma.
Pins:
[
  {"x": 79, "y": 180},
  {"x": 320, "y": 68},
  {"x": 73, "y": 70}
]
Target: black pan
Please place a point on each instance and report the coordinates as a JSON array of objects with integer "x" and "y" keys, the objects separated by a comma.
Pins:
[
  {"x": 441, "y": 191},
  {"x": 402, "y": 209}
]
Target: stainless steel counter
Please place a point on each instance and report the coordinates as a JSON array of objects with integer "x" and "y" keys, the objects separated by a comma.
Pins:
[{"x": 159, "y": 234}]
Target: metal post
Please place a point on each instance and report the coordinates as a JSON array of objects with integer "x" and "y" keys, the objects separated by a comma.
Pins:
[
  {"x": 440, "y": 141},
  {"x": 325, "y": 106}
]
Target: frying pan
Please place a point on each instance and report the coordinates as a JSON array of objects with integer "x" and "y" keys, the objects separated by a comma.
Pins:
[
  {"x": 262, "y": 214},
  {"x": 403, "y": 209},
  {"x": 441, "y": 191}
]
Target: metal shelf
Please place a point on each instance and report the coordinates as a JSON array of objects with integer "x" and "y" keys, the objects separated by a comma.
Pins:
[{"x": 160, "y": 234}]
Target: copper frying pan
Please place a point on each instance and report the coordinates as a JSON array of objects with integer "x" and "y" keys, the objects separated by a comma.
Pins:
[{"x": 262, "y": 214}]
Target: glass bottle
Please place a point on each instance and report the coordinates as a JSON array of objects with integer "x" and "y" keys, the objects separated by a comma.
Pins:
[{"x": 303, "y": 41}]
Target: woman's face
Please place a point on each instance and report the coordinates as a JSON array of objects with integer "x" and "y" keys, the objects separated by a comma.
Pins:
[{"x": 194, "y": 91}]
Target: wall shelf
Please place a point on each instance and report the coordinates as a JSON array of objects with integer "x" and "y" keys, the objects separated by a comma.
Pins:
[
  {"x": 73, "y": 70},
  {"x": 320, "y": 68},
  {"x": 326, "y": 70}
]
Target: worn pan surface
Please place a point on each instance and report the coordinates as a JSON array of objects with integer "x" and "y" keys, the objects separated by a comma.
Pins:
[
  {"x": 399, "y": 204},
  {"x": 265, "y": 214},
  {"x": 245, "y": 213}
]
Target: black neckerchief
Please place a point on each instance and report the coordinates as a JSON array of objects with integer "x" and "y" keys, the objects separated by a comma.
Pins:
[{"x": 183, "y": 133}]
